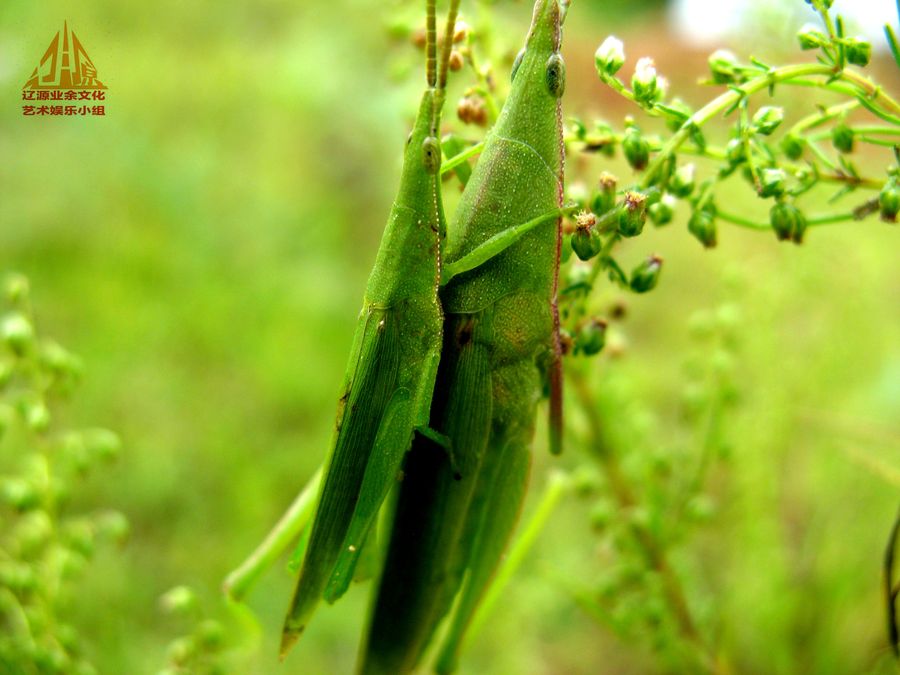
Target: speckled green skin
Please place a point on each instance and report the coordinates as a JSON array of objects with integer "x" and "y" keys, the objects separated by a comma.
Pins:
[
  {"x": 455, "y": 510},
  {"x": 390, "y": 377}
]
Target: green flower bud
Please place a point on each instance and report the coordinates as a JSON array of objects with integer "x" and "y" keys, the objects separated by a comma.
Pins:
[
  {"x": 771, "y": 182},
  {"x": 579, "y": 131},
  {"x": 586, "y": 241},
  {"x": 767, "y": 119},
  {"x": 181, "y": 650},
  {"x": 702, "y": 225},
  {"x": 701, "y": 508},
  {"x": 602, "y": 515},
  {"x": 178, "y": 600},
  {"x": 16, "y": 288},
  {"x": 842, "y": 138},
  {"x": 78, "y": 535},
  {"x": 210, "y": 634},
  {"x": 37, "y": 416},
  {"x": 591, "y": 337},
  {"x": 644, "y": 82},
  {"x": 735, "y": 151},
  {"x": 810, "y": 37},
  {"x": 19, "y": 493},
  {"x": 609, "y": 56},
  {"x": 889, "y": 201},
  {"x": 682, "y": 183},
  {"x": 636, "y": 149},
  {"x": 113, "y": 525},
  {"x": 792, "y": 147},
  {"x": 17, "y": 332},
  {"x": 724, "y": 67},
  {"x": 859, "y": 52},
  {"x": 645, "y": 276},
  {"x": 103, "y": 443},
  {"x": 33, "y": 531},
  {"x": 787, "y": 221},
  {"x": 633, "y": 214},
  {"x": 662, "y": 212},
  {"x": 605, "y": 199}
]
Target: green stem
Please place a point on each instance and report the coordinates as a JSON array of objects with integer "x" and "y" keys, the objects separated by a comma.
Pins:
[
  {"x": 811, "y": 222},
  {"x": 653, "y": 552},
  {"x": 456, "y": 160},
  {"x": 557, "y": 486},
  {"x": 299, "y": 513}
]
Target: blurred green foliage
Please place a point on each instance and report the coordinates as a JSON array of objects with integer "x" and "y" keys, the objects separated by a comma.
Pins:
[{"x": 204, "y": 248}]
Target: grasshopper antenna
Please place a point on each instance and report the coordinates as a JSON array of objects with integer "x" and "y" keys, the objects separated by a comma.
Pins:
[
  {"x": 445, "y": 55},
  {"x": 431, "y": 43}
]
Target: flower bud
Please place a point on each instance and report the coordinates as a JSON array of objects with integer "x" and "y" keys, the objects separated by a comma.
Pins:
[
  {"x": 461, "y": 32},
  {"x": 889, "y": 201},
  {"x": 591, "y": 337},
  {"x": 662, "y": 212},
  {"x": 724, "y": 67},
  {"x": 633, "y": 214},
  {"x": 643, "y": 82},
  {"x": 645, "y": 275},
  {"x": 636, "y": 149},
  {"x": 16, "y": 331},
  {"x": 735, "y": 151},
  {"x": 859, "y": 52},
  {"x": 605, "y": 199},
  {"x": 178, "y": 600},
  {"x": 682, "y": 183},
  {"x": 842, "y": 138},
  {"x": 702, "y": 225},
  {"x": 787, "y": 221},
  {"x": 586, "y": 240},
  {"x": 16, "y": 288},
  {"x": 811, "y": 37},
  {"x": 767, "y": 119},
  {"x": 609, "y": 56},
  {"x": 792, "y": 147},
  {"x": 455, "y": 62},
  {"x": 37, "y": 416},
  {"x": 771, "y": 182}
]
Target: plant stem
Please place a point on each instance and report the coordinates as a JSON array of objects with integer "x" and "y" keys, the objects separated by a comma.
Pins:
[
  {"x": 653, "y": 553},
  {"x": 299, "y": 513},
  {"x": 557, "y": 486},
  {"x": 456, "y": 160}
]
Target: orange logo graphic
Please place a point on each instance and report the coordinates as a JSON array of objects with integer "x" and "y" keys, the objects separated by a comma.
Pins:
[{"x": 65, "y": 74}]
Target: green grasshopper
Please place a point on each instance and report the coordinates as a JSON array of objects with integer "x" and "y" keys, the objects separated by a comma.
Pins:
[
  {"x": 393, "y": 363},
  {"x": 456, "y": 509}
]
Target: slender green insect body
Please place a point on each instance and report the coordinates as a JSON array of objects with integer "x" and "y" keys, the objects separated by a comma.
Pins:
[
  {"x": 390, "y": 377},
  {"x": 456, "y": 508}
]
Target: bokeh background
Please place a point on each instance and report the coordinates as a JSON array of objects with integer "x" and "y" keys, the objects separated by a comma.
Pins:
[{"x": 204, "y": 246}]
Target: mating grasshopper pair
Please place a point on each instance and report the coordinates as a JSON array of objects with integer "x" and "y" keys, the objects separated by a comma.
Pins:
[{"x": 446, "y": 368}]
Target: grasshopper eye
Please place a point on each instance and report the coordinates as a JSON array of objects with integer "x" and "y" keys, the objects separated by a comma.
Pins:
[
  {"x": 517, "y": 63},
  {"x": 431, "y": 154},
  {"x": 556, "y": 75}
]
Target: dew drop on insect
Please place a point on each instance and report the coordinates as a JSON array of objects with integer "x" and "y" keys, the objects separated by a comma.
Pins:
[
  {"x": 431, "y": 154},
  {"x": 556, "y": 75},
  {"x": 517, "y": 63},
  {"x": 351, "y": 548}
]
